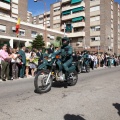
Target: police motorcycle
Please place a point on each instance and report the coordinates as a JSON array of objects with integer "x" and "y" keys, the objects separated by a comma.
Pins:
[
  {"x": 76, "y": 61},
  {"x": 84, "y": 62},
  {"x": 51, "y": 70}
]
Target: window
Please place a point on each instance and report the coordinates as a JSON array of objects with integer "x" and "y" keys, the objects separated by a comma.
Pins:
[
  {"x": 96, "y": 8},
  {"x": 96, "y": 18},
  {"x": 3, "y": 28},
  {"x": 14, "y": 6},
  {"x": 95, "y": 39},
  {"x": 95, "y": 28},
  {"x": 56, "y": 9},
  {"x": 22, "y": 32},
  {"x": 33, "y": 34}
]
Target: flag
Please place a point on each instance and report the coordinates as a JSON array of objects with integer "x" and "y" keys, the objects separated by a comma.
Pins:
[{"x": 17, "y": 26}]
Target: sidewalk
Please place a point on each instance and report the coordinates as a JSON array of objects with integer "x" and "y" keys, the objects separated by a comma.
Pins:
[{"x": 99, "y": 68}]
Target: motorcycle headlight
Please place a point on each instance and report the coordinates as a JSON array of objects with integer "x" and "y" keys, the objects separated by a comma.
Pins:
[{"x": 49, "y": 59}]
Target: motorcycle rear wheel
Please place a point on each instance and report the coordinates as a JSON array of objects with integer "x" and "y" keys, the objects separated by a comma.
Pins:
[
  {"x": 87, "y": 68},
  {"x": 41, "y": 77}
]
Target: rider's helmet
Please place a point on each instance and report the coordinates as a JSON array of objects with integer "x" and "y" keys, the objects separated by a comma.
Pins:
[{"x": 65, "y": 41}]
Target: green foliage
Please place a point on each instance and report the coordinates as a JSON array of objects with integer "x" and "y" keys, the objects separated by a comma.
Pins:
[
  {"x": 38, "y": 42},
  {"x": 57, "y": 42},
  {"x": 58, "y": 38}
]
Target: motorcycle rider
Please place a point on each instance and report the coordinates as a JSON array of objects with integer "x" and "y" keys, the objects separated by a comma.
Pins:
[
  {"x": 66, "y": 52},
  {"x": 86, "y": 57}
]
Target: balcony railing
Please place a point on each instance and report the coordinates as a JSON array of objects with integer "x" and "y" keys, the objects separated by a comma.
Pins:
[
  {"x": 4, "y": 5},
  {"x": 95, "y": 13},
  {"x": 76, "y": 34},
  {"x": 95, "y": 3},
  {"x": 67, "y": 17},
  {"x": 77, "y": 24},
  {"x": 94, "y": 33},
  {"x": 72, "y": 7}
]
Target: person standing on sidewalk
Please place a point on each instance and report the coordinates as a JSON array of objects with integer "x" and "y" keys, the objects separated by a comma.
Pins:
[
  {"x": 14, "y": 64},
  {"x": 5, "y": 60},
  {"x": 22, "y": 67}
]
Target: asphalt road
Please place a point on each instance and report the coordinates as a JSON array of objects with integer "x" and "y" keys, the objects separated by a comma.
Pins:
[{"x": 95, "y": 97}]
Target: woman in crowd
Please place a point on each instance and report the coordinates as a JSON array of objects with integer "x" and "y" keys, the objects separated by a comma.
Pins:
[
  {"x": 32, "y": 63},
  {"x": 27, "y": 62},
  {"x": 14, "y": 64}
]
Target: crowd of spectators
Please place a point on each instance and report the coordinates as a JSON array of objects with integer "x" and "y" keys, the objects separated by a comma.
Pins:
[
  {"x": 102, "y": 60},
  {"x": 22, "y": 63}
]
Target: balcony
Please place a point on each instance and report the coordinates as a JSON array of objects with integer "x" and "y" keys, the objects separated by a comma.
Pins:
[
  {"x": 65, "y": 1},
  {"x": 4, "y": 15},
  {"x": 56, "y": 4},
  {"x": 15, "y": 1},
  {"x": 5, "y": 6},
  {"x": 94, "y": 33},
  {"x": 72, "y": 7},
  {"x": 48, "y": 18},
  {"x": 78, "y": 24},
  {"x": 94, "y": 3},
  {"x": 67, "y": 17},
  {"x": 56, "y": 21},
  {"x": 95, "y": 13},
  {"x": 95, "y": 43},
  {"x": 15, "y": 11},
  {"x": 56, "y": 13},
  {"x": 94, "y": 23},
  {"x": 76, "y": 34}
]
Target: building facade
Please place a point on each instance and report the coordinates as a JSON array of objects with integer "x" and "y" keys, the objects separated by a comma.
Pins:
[
  {"x": 90, "y": 24},
  {"x": 9, "y": 12},
  {"x": 14, "y": 8}
]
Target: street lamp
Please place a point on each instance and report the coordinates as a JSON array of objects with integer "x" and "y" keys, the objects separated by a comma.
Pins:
[{"x": 45, "y": 34}]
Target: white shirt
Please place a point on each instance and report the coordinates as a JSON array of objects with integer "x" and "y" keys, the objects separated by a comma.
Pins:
[{"x": 14, "y": 60}]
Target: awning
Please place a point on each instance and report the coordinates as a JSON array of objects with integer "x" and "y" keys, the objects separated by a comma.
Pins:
[
  {"x": 77, "y": 19},
  {"x": 75, "y": 1},
  {"x": 66, "y": 12},
  {"x": 7, "y": 1},
  {"x": 78, "y": 9}
]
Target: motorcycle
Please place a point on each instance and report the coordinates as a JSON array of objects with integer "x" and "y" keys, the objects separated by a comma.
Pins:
[
  {"x": 51, "y": 70},
  {"x": 84, "y": 64}
]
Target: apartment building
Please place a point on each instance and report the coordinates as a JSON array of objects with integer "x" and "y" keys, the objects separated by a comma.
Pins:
[
  {"x": 55, "y": 16},
  {"x": 116, "y": 28},
  {"x": 29, "y": 17},
  {"x": 27, "y": 32},
  {"x": 42, "y": 19},
  {"x": 14, "y": 8},
  {"x": 101, "y": 25},
  {"x": 9, "y": 12},
  {"x": 88, "y": 23},
  {"x": 91, "y": 23}
]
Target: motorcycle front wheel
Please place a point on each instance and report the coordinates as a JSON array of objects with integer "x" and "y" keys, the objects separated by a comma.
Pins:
[
  {"x": 73, "y": 78},
  {"x": 40, "y": 82}
]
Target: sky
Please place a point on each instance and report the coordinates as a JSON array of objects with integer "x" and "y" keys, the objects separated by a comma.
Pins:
[{"x": 38, "y": 7}]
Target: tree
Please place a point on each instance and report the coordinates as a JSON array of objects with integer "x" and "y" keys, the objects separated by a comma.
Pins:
[
  {"x": 57, "y": 42},
  {"x": 38, "y": 42}
]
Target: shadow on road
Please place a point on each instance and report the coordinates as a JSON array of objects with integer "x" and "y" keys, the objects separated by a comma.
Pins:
[
  {"x": 59, "y": 84},
  {"x": 117, "y": 106},
  {"x": 73, "y": 117}
]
